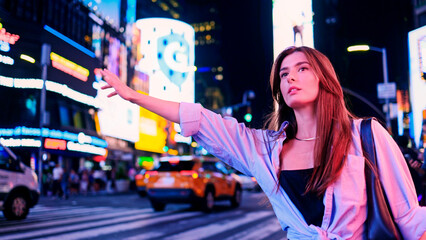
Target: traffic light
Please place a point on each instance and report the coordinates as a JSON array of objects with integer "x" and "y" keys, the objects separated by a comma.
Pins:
[
  {"x": 165, "y": 148},
  {"x": 248, "y": 117}
]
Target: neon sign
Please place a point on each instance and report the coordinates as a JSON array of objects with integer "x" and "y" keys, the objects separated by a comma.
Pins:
[
  {"x": 51, "y": 133},
  {"x": 25, "y": 142},
  {"x": 62, "y": 89},
  {"x": 72, "y": 146},
  {"x": 6, "y": 60},
  {"x": 4, "y": 46},
  {"x": 69, "y": 67},
  {"x": 8, "y": 37},
  {"x": 54, "y": 144},
  {"x": 58, "y": 144}
]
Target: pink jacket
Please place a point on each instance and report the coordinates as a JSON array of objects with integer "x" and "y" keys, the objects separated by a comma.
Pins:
[{"x": 256, "y": 153}]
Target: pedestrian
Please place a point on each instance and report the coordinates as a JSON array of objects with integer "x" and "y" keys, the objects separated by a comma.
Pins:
[
  {"x": 411, "y": 155},
  {"x": 65, "y": 184},
  {"x": 57, "y": 175},
  {"x": 74, "y": 182},
  {"x": 309, "y": 161},
  {"x": 84, "y": 183}
]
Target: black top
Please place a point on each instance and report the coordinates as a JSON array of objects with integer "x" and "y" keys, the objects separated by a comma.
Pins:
[{"x": 294, "y": 184}]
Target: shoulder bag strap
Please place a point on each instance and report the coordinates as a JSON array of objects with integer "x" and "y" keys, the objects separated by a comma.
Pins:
[{"x": 380, "y": 221}]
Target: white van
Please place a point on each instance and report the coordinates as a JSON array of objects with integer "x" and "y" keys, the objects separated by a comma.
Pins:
[{"x": 18, "y": 186}]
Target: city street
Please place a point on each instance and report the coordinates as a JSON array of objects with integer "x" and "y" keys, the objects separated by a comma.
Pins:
[{"x": 128, "y": 216}]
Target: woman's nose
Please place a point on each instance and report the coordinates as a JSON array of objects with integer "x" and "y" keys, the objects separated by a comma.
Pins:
[{"x": 290, "y": 77}]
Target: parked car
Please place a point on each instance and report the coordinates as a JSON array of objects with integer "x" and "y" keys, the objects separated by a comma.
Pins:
[
  {"x": 141, "y": 181},
  {"x": 199, "y": 181},
  {"x": 18, "y": 186},
  {"x": 247, "y": 183}
]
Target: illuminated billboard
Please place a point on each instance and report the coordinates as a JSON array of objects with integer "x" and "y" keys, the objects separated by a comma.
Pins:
[
  {"x": 117, "y": 118},
  {"x": 292, "y": 24},
  {"x": 417, "y": 48},
  {"x": 71, "y": 63},
  {"x": 108, "y": 9},
  {"x": 164, "y": 50},
  {"x": 152, "y": 132},
  {"x": 167, "y": 57}
]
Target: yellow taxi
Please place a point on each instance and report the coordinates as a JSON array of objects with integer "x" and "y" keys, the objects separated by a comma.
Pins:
[
  {"x": 199, "y": 181},
  {"x": 140, "y": 182}
]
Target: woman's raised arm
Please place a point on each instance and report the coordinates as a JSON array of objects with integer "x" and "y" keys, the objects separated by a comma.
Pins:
[{"x": 167, "y": 109}]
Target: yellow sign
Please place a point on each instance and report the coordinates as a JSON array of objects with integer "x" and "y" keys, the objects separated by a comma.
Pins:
[
  {"x": 152, "y": 133},
  {"x": 69, "y": 67}
]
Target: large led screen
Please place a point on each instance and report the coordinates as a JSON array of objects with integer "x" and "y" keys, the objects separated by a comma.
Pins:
[
  {"x": 164, "y": 69},
  {"x": 167, "y": 57},
  {"x": 417, "y": 47},
  {"x": 108, "y": 9},
  {"x": 292, "y": 24},
  {"x": 117, "y": 118}
]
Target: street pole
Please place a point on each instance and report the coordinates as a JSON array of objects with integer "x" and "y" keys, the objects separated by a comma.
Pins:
[
  {"x": 385, "y": 74},
  {"x": 385, "y": 80},
  {"x": 45, "y": 62}
]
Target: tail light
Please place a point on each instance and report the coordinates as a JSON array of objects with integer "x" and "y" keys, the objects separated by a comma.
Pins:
[
  {"x": 150, "y": 173},
  {"x": 194, "y": 174},
  {"x": 253, "y": 179}
]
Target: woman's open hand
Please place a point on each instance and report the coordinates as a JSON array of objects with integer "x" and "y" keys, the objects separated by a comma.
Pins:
[
  {"x": 114, "y": 82},
  {"x": 167, "y": 109}
]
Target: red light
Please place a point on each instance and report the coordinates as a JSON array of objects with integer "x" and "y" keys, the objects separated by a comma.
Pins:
[
  {"x": 194, "y": 174},
  {"x": 151, "y": 173},
  {"x": 139, "y": 177},
  {"x": 174, "y": 161},
  {"x": 99, "y": 158}
]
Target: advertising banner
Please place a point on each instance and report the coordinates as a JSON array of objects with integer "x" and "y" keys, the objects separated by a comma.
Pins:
[
  {"x": 164, "y": 69},
  {"x": 417, "y": 51},
  {"x": 292, "y": 24},
  {"x": 167, "y": 57}
]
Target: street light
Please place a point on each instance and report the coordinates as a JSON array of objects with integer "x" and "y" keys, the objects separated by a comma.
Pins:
[
  {"x": 356, "y": 48},
  {"x": 44, "y": 62}
]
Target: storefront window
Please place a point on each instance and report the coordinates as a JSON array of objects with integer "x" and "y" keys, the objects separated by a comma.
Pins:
[{"x": 64, "y": 116}]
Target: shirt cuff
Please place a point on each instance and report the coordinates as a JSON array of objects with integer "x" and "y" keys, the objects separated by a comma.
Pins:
[{"x": 190, "y": 117}]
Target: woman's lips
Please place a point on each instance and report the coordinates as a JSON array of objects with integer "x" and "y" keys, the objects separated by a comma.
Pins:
[{"x": 293, "y": 90}]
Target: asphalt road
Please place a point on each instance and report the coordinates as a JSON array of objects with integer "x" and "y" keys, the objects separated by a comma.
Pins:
[{"x": 128, "y": 216}]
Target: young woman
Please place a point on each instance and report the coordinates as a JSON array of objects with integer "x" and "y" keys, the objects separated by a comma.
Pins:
[{"x": 310, "y": 162}]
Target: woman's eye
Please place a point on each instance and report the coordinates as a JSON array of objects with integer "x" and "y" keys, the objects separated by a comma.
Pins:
[
  {"x": 303, "y": 69},
  {"x": 284, "y": 75}
]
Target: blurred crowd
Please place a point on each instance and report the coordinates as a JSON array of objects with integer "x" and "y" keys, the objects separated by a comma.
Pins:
[
  {"x": 60, "y": 183},
  {"x": 416, "y": 164}
]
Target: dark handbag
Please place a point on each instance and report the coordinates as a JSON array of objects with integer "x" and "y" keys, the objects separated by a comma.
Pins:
[{"x": 380, "y": 223}]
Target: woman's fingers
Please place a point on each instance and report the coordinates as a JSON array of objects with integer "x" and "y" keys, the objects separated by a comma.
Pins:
[
  {"x": 112, "y": 94},
  {"x": 106, "y": 87},
  {"x": 112, "y": 81}
]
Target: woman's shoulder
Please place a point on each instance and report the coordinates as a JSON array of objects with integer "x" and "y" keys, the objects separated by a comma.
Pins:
[{"x": 376, "y": 125}]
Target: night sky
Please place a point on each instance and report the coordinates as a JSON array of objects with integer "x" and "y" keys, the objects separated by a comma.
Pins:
[{"x": 337, "y": 25}]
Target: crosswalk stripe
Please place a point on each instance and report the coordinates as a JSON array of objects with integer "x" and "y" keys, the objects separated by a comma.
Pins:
[
  {"x": 269, "y": 227},
  {"x": 73, "y": 220},
  {"x": 216, "y": 228},
  {"x": 55, "y": 215},
  {"x": 39, "y": 208},
  {"x": 121, "y": 227},
  {"x": 74, "y": 210},
  {"x": 155, "y": 234}
]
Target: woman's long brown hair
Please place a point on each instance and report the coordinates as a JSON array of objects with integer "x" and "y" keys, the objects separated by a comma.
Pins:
[{"x": 333, "y": 119}]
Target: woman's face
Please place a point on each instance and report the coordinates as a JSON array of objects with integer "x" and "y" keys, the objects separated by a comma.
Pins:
[{"x": 299, "y": 84}]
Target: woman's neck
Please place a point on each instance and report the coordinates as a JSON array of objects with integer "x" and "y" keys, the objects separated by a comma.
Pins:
[{"x": 306, "y": 123}]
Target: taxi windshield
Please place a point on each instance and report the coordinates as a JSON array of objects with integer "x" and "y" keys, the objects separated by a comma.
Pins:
[{"x": 175, "y": 166}]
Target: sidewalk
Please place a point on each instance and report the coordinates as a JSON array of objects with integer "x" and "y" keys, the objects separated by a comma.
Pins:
[
  {"x": 101, "y": 198},
  {"x": 75, "y": 199}
]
